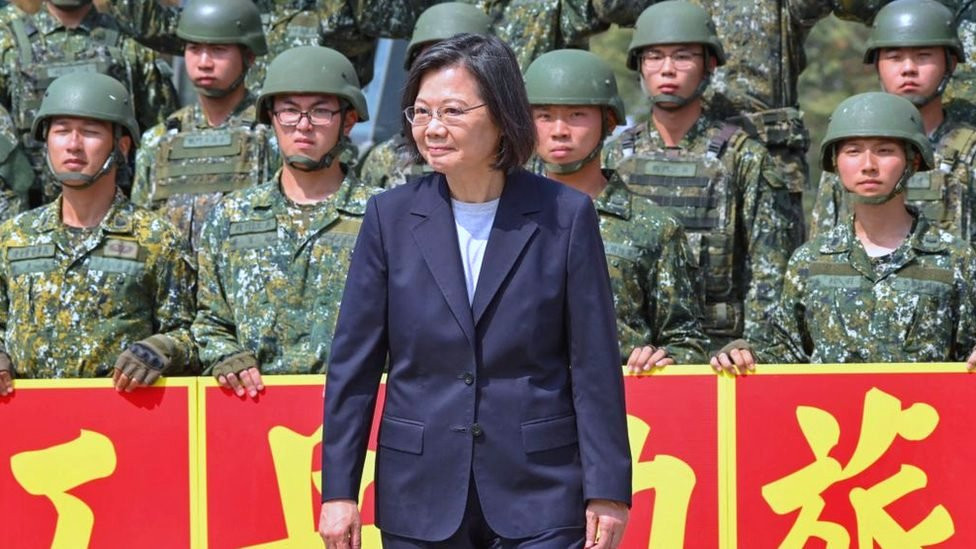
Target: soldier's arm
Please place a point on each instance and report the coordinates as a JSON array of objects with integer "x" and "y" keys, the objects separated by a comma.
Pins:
[
  {"x": 385, "y": 19},
  {"x": 677, "y": 300},
  {"x": 8, "y": 62},
  {"x": 213, "y": 327},
  {"x": 807, "y": 12},
  {"x": 153, "y": 92},
  {"x": 379, "y": 163},
  {"x": 965, "y": 282},
  {"x": 578, "y": 21},
  {"x": 6, "y": 376},
  {"x": 767, "y": 225},
  {"x": 785, "y": 339},
  {"x": 16, "y": 173},
  {"x": 145, "y": 155},
  {"x": 621, "y": 12},
  {"x": 828, "y": 205},
  {"x": 148, "y": 22},
  {"x": 175, "y": 302}
]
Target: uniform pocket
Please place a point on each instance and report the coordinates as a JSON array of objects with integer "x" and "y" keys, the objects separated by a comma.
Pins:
[
  {"x": 548, "y": 433},
  {"x": 402, "y": 434}
]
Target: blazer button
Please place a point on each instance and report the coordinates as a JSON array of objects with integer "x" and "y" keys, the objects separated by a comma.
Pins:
[
  {"x": 476, "y": 430},
  {"x": 468, "y": 379}
]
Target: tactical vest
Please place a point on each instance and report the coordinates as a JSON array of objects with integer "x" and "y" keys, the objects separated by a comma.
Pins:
[
  {"x": 39, "y": 64},
  {"x": 696, "y": 189},
  {"x": 192, "y": 169},
  {"x": 943, "y": 194}
]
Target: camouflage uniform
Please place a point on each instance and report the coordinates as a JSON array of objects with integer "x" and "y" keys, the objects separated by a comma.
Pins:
[
  {"x": 944, "y": 195},
  {"x": 734, "y": 206},
  {"x": 349, "y": 27},
  {"x": 36, "y": 49},
  {"x": 16, "y": 173},
  {"x": 185, "y": 165},
  {"x": 960, "y": 95},
  {"x": 72, "y": 300},
  {"x": 391, "y": 164},
  {"x": 838, "y": 305},
  {"x": 272, "y": 274},
  {"x": 654, "y": 290}
]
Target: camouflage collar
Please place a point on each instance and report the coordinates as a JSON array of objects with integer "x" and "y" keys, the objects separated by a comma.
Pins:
[
  {"x": 351, "y": 196},
  {"x": 615, "y": 198},
  {"x": 244, "y": 113},
  {"x": 118, "y": 219},
  {"x": 687, "y": 141},
  {"x": 923, "y": 237},
  {"x": 47, "y": 23}
]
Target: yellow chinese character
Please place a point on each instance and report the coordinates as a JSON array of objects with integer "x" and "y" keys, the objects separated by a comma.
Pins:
[
  {"x": 673, "y": 481},
  {"x": 53, "y": 471},
  {"x": 883, "y": 420},
  {"x": 292, "y": 454}
]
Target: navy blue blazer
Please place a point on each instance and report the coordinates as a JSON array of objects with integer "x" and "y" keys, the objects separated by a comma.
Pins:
[{"x": 521, "y": 390}]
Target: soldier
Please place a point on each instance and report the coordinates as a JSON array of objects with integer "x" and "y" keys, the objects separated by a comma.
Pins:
[
  {"x": 575, "y": 106},
  {"x": 90, "y": 284},
  {"x": 914, "y": 48},
  {"x": 390, "y": 163},
  {"x": 350, "y": 27},
  {"x": 16, "y": 172},
  {"x": 205, "y": 150},
  {"x": 67, "y": 36},
  {"x": 273, "y": 258},
  {"x": 718, "y": 181},
  {"x": 886, "y": 285}
]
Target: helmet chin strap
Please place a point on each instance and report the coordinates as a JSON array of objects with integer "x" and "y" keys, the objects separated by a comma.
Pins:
[
  {"x": 308, "y": 164},
  {"x": 80, "y": 181},
  {"x": 899, "y": 187},
  {"x": 573, "y": 167},
  {"x": 218, "y": 93}
]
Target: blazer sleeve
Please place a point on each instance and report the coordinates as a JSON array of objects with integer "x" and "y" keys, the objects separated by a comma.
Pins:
[
  {"x": 597, "y": 378},
  {"x": 359, "y": 351}
]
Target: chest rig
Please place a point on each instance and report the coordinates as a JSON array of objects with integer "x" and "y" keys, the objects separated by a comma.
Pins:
[
  {"x": 39, "y": 63},
  {"x": 208, "y": 160},
  {"x": 695, "y": 187},
  {"x": 942, "y": 194}
]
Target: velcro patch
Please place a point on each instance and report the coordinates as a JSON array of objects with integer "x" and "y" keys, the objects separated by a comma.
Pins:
[
  {"x": 245, "y": 227},
  {"x": 30, "y": 252},
  {"x": 116, "y": 247}
]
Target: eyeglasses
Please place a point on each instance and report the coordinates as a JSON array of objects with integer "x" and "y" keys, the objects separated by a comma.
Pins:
[
  {"x": 316, "y": 117},
  {"x": 450, "y": 116},
  {"x": 683, "y": 60}
]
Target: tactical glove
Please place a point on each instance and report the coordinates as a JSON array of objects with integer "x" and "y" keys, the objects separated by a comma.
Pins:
[
  {"x": 234, "y": 364},
  {"x": 145, "y": 360}
]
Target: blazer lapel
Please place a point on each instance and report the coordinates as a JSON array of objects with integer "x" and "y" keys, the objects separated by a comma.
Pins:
[
  {"x": 509, "y": 235},
  {"x": 436, "y": 236}
]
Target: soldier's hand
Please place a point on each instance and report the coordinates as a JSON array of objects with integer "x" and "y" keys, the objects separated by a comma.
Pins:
[
  {"x": 734, "y": 358},
  {"x": 142, "y": 363},
  {"x": 239, "y": 372},
  {"x": 645, "y": 359},
  {"x": 6, "y": 375},
  {"x": 970, "y": 362}
]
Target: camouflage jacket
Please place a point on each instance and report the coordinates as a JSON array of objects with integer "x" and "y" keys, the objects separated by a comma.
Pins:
[
  {"x": 185, "y": 165},
  {"x": 16, "y": 172},
  {"x": 72, "y": 300},
  {"x": 735, "y": 208},
  {"x": 944, "y": 195},
  {"x": 390, "y": 164},
  {"x": 35, "y": 49},
  {"x": 963, "y": 83},
  {"x": 838, "y": 305},
  {"x": 655, "y": 288},
  {"x": 349, "y": 27},
  {"x": 272, "y": 275}
]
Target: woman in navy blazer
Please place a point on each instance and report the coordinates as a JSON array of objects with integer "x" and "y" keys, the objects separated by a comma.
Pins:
[{"x": 485, "y": 289}]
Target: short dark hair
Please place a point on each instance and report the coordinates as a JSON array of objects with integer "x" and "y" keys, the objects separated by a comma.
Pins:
[{"x": 500, "y": 84}]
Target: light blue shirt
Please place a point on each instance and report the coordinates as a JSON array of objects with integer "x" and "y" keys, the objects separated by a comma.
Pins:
[{"x": 473, "y": 222}]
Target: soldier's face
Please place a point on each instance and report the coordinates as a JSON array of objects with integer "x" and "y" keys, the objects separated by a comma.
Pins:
[
  {"x": 566, "y": 133},
  {"x": 213, "y": 65},
  {"x": 455, "y": 144},
  {"x": 305, "y": 138},
  {"x": 674, "y": 69},
  {"x": 870, "y": 166},
  {"x": 79, "y": 145},
  {"x": 911, "y": 72}
]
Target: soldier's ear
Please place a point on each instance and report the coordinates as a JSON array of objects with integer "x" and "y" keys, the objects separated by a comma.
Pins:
[
  {"x": 29, "y": 6},
  {"x": 350, "y": 117},
  {"x": 125, "y": 145},
  {"x": 248, "y": 56}
]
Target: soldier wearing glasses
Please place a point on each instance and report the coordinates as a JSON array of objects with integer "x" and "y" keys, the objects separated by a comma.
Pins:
[
  {"x": 720, "y": 183},
  {"x": 273, "y": 258}
]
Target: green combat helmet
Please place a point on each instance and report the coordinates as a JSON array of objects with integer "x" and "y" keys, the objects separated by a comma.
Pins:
[
  {"x": 442, "y": 21},
  {"x": 88, "y": 95},
  {"x": 878, "y": 114},
  {"x": 223, "y": 22},
  {"x": 574, "y": 77},
  {"x": 916, "y": 24},
  {"x": 314, "y": 70},
  {"x": 675, "y": 22}
]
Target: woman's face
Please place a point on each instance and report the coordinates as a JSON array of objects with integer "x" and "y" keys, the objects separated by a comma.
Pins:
[
  {"x": 466, "y": 139},
  {"x": 870, "y": 166}
]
